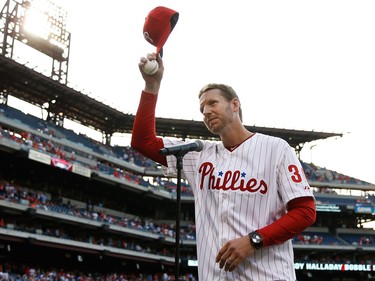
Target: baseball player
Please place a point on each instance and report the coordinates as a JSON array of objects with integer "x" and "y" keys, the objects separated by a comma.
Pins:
[{"x": 251, "y": 195}]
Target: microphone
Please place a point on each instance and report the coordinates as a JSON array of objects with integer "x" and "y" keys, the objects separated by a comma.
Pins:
[{"x": 182, "y": 149}]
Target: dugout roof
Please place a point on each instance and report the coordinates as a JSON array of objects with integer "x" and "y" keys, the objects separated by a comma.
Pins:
[{"x": 24, "y": 83}]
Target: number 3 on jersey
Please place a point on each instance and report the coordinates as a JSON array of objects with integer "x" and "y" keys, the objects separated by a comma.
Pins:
[{"x": 296, "y": 176}]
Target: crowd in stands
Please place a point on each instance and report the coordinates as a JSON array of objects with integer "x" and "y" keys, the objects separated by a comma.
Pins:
[
  {"x": 155, "y": 183},
  {"x": 307, "y": 239},
  {"x": 47, "y": 141},
  {"x": 23, "y": 272},
  {"x": 9, "y": 191},
  {"x": 14, "y": 193},
  {"x": 319, "y": 174},
  {"x": 125, "y": 153},
  {"x": 361, "y": 240},
  {"x": 366, "y": 241},
  {"x": 69, "y": 154}
]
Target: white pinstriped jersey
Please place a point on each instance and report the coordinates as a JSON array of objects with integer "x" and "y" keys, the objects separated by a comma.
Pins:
[{"x": 240, "y": 191}]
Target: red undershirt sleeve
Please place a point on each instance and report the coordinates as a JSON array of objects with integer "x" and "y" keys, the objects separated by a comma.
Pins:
[
  {"x": 144, "y": 138},
  {"x": 301, "y": 214}
]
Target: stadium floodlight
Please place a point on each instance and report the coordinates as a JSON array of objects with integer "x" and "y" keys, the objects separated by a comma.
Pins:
[{"x": 43, "y": 27}]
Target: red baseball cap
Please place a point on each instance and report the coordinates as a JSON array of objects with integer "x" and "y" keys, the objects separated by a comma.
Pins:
[{"x": 158, "y": 25}]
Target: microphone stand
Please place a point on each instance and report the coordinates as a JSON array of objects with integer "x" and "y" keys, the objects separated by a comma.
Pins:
[
  {"x": 179, "y": 156},
  {"x": 178, "y": 217},
  {"x": 179, "y": 152}
]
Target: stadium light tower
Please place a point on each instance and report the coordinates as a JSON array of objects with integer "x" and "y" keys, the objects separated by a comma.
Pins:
[{"x": 41, "y": 25}]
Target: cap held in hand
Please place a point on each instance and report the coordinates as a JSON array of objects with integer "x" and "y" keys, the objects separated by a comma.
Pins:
[{"x": 158, "y": 25}]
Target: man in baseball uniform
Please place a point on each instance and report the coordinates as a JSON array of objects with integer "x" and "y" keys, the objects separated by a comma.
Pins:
[{"x": 251, "y": 194}]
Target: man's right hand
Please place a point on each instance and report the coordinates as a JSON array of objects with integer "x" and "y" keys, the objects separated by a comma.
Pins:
[{"x": 152, "y": 82}]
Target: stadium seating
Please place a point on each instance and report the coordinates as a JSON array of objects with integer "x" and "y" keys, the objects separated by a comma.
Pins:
[{"x": 122, "y": 169}]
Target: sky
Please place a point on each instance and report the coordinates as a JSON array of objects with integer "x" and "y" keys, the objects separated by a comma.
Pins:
[{"x": 304, "y": 65}]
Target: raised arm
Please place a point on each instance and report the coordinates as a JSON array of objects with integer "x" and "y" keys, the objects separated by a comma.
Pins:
[{"x": 144, "y": 138}]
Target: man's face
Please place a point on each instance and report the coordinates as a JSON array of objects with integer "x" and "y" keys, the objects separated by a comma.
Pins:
[{"x": 217, "y": 111}]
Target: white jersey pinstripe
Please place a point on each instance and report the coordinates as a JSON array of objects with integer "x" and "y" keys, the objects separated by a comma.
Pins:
[{"x": 238, "y": 192}]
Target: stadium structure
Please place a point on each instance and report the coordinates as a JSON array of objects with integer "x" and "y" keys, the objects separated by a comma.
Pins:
[{"x": 72, "y": 208}]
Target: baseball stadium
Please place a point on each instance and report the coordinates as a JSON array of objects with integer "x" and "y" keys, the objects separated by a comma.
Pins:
[{"x": 73, "y": 208}]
